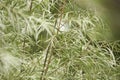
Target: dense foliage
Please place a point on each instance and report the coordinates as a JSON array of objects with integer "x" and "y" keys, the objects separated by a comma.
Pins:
[{"x": 55, "y": 40}]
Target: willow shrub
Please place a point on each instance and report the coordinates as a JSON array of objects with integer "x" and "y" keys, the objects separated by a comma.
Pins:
[{"x": 54, "y": 40}]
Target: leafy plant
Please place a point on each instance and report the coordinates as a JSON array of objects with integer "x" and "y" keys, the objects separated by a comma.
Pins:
[{"x": 55, "y": 40}]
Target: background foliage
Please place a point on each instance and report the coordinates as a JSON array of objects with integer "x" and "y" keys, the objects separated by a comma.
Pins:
[{"x": 55, "y": 40}]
